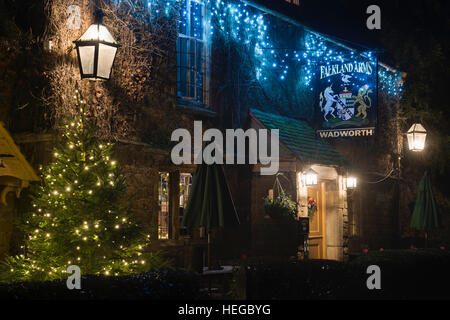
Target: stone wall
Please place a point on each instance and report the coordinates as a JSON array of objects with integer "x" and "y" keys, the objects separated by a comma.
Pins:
[
  {"x": 6, "y": 223},
  {"x": 265, "y": 234},
  {"x": 141, "y": 166},
  {"x": 373, "y": 211},
  {"x": 37, "y": 150}
]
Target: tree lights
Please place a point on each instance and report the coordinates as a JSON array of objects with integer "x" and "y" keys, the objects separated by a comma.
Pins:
[{"x": 78, "y": 216}]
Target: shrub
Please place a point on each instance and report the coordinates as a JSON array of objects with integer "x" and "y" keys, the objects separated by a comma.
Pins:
[
  {"x": 165, "y": 283},
  {"x": 405, "y": 274},
  {"x": 309, "y": 279}
]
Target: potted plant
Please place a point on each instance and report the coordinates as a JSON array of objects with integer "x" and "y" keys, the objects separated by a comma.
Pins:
[{"x": 281, "y": 207}]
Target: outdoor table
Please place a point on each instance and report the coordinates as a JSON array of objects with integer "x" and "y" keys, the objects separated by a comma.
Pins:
[{"x": 219, "y": 275}]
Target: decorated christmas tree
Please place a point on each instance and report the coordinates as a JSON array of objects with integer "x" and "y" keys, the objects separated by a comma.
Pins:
[{"x": 79, "y": 214}]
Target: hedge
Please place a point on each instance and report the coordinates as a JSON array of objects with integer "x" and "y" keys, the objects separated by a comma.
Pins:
[
  {"x": 405, "y": 274},
  {"x": 309, "y": 279},
  {"x": 166, "y": 283}
]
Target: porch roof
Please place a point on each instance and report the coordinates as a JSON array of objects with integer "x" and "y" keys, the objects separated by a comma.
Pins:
[{"x": 299, "y": 137}]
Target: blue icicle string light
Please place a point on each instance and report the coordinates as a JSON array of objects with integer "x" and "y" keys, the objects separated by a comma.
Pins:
[
  {"x": 390, "y": 82},
  {"x": 154, "y": 7},
  {"x": 246, "y": 24}
]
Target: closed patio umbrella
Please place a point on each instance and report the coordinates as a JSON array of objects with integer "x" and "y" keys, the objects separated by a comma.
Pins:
[
  {"x": 425, "y": 216},
  {"x": 209, "y": 204}
]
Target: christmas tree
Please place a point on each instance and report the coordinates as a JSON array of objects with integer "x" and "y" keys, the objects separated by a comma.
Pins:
[{"x": 79, "y": 216}]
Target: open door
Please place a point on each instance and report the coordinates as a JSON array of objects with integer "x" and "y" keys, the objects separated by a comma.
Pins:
[{"x": 317, "y": 224}]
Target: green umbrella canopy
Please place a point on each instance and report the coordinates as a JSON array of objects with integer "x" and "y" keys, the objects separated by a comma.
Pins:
[
  {"x": 425, "y": 216},
  {"x": 209, "y": 204}
]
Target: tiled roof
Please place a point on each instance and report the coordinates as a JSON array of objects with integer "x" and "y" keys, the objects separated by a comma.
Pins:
[{"x": 300, "y": 138}]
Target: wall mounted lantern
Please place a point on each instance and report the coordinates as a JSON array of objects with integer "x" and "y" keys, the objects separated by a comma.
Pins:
[
  {"x": 416, "y": 137},
  {"x": 350, "y": 182},
  {"x": 96, "y": 50},
  {"x": 310, "y": 177}
]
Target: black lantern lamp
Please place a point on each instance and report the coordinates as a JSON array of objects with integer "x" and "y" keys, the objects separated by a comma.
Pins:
[
  {"x": 96, "y": 50},
  {"x": 416, "y": 137}
]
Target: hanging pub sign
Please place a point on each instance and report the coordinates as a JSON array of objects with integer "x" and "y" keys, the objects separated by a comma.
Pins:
[{"x": 346, "y": 98}]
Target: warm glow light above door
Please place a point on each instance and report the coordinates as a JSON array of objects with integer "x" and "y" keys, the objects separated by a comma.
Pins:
[{"x": 310, "y": 177}]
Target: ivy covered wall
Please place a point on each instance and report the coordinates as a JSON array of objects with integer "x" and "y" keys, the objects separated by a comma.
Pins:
[
  {"x": 258, "y": 60},
  {"x": 269, "y": 62}
]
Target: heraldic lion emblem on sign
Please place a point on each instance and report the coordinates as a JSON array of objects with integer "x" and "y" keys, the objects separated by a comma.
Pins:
[
  {"x": 363, "y": 101},
  {"x": 337, "y": 108}
]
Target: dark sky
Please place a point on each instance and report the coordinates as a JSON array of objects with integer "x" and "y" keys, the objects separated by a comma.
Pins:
[{"x": 346, "y": 19}]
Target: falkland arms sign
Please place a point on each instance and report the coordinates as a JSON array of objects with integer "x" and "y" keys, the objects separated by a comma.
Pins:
[{"x": 346, "y": 99}]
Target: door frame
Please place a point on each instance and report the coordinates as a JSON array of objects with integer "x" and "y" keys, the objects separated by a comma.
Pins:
[{"x": 320, "y": 211}]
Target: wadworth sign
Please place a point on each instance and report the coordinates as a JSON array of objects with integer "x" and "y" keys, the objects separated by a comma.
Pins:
[{"x": 346, "y": 94}]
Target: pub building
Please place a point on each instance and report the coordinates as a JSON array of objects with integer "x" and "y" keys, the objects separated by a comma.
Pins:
[{"x": 230, "y": 64}]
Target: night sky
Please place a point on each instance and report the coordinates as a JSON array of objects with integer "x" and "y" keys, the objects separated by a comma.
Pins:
[{"x": 346, "y": 20}]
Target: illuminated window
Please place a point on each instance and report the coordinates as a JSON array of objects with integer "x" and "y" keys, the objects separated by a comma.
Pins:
[
  {"x": 165, "y": 214},
  {"x": 163, "y": 199},
  {"x": 192, "y": 52},
  {"x": 185, "y": 186}
]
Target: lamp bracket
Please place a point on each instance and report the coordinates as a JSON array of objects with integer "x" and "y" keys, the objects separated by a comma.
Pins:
[{"x": 98, "y": 16}]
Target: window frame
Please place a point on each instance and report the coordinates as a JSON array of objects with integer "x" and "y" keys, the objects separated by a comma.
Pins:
[
  {"x": 159, "y": 214},
  {"x": 174, "y": 179},
  {"x": 183, "y": 176},
  {"x": 206, "y": 52}
]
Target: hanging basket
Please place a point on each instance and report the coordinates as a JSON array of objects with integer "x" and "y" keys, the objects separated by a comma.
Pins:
[{"x": 281, "y": 206}]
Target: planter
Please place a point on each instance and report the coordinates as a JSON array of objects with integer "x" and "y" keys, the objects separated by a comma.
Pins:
[
  {"x": 277, "y": 213},
  {"x": 275, "y": 238},
  {"x": 281, "y": 207}
]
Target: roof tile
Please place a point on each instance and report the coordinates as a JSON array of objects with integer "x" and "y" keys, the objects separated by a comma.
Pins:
[{"x": 300, "y": 138}]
